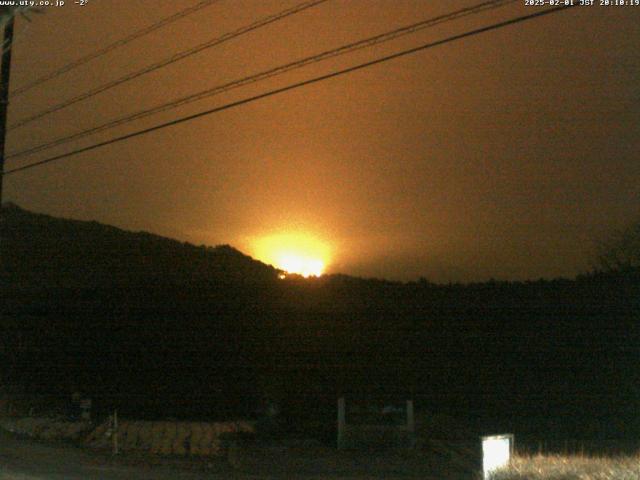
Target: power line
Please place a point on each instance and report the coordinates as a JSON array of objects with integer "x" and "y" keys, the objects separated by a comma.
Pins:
[
  {"x": 368, "y": 42},
  {"x": 119, "y": 43},
  {"x": 172, "y": 59},
  {"x": 277, "y": 91}
]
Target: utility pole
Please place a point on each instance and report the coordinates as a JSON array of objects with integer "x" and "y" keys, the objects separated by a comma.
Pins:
[{"x": 5, "y": 72}]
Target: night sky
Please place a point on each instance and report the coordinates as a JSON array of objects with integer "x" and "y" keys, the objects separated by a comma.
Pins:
[{"x": 506, "y": 154}]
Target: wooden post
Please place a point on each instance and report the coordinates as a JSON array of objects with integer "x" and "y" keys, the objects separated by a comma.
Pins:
[
  {"x": 341, "y": 422},
  {"x": 115, "y": 432},
  {"x": 411, "y": 423}
]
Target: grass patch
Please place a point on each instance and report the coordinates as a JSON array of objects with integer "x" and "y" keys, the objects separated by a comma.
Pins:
[{"x": 571, "y": 467}]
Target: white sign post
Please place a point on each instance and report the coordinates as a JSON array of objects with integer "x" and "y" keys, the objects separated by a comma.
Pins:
[{"x": 496, "y": 453}]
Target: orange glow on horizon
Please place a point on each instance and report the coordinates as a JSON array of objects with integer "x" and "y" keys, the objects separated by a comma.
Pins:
[{"x": 296, "y": 253}]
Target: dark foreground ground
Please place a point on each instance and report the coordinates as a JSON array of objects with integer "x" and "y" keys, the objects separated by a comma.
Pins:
[{"x": 24, "y": 459}]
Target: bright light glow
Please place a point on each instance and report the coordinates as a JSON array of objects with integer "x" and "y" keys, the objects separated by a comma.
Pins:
[
  {"x": 306, "y": 267},
  {"x": 297, "y": 253},
  {"x": 496, "y": 453}
]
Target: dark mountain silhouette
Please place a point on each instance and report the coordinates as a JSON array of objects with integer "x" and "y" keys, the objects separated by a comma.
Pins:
[
  {"x": 159, "y": 327},
  {"x": 43, "y": 250}
]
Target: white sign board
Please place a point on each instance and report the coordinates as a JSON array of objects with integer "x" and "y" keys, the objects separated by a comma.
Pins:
[{"x": 496, "y": 453}]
